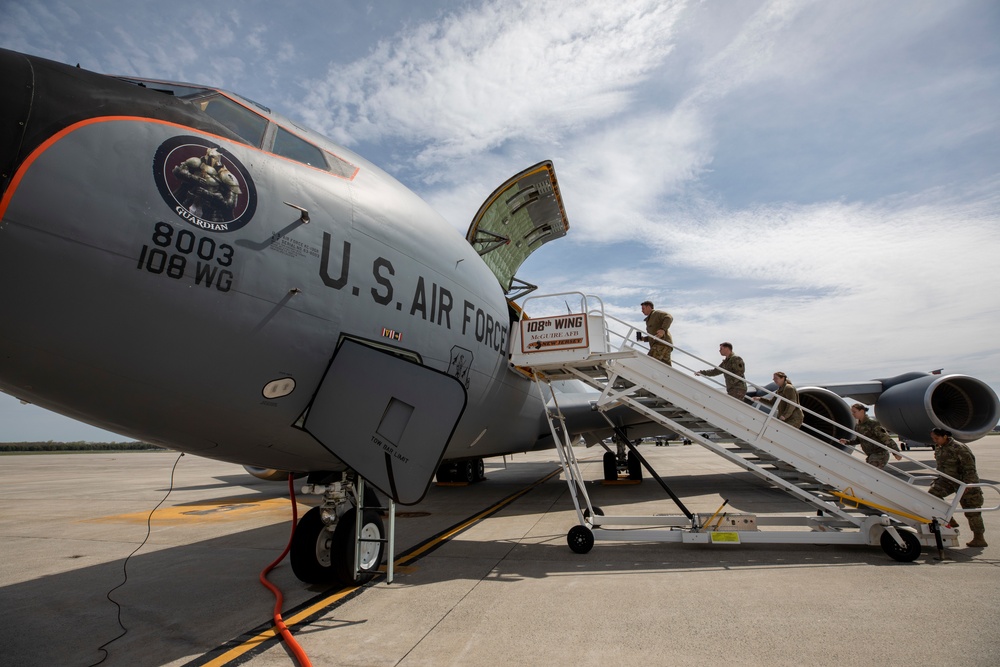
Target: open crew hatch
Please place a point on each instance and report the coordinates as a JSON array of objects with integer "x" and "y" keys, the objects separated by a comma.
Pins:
[{"x": 518, "y": 218}]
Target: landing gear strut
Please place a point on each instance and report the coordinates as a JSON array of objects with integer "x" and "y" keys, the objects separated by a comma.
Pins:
[{"x": 323, "y": 547}]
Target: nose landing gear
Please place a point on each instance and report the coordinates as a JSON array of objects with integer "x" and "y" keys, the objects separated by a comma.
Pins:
[{"x": 323, "y": 548}]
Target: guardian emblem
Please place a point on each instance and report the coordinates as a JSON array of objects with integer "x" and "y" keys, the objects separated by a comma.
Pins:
[{"x": 204, "y": 184}]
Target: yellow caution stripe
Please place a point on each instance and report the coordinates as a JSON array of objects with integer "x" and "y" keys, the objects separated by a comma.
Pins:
[{"x": 861, "y": 501}]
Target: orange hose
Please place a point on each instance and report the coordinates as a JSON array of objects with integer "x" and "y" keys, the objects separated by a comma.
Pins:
[{"x": 286, "y": 635}]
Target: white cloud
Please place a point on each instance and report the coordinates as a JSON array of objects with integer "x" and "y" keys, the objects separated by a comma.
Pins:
[
  {"x": 815, "y": 181},
  {"x": 869, "y": 284},
  {"x": 829, "y": 290},
  {"x": 749, "y": 57},
  {"x": 496, "y": 72}
]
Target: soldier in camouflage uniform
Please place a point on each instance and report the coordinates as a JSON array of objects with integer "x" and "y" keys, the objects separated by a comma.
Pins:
[
  {"x": 789, "y": 410},
  {"x": 657, "y": 324},
  {"x": 735, "y": 386},
  {"x": 956, "y": 460},
  {"x": 871, "y": 429}
]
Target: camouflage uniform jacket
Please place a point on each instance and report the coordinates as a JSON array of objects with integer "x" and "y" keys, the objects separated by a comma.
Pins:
[
  {"x": 875, "y": 431},
  {"x": 734, "y": 365},
  {"x": 956, "y": 460},
  {"x": 789, "y": 410},
  {"x": 656, "y": 320}
]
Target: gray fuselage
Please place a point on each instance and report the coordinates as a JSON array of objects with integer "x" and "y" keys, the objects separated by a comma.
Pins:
[{"x": 166, "y": 319}]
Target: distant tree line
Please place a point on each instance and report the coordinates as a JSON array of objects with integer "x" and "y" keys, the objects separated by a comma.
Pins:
[{"x": 50, "y": 446}]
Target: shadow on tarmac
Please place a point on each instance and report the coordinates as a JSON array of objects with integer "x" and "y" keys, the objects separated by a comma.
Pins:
[{"x": 182, "y": 602}]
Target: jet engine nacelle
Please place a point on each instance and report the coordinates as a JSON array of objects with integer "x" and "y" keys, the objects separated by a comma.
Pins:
[
  {"x": 271, "y": 474},
  {"x": 914, "y": 403},
  {"x": 832, "y": 407}
]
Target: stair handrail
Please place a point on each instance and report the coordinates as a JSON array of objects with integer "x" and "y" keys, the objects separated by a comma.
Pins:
[
  {"x": 629, "y": 342},
  {"x": 585, "y": 300},
  {"x": 962, "y": 487}
]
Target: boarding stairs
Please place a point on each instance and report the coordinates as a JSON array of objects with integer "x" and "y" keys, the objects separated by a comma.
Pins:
[{"x": 855, "y": 502}]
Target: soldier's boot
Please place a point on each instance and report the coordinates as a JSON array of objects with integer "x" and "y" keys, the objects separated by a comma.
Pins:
[
  {"x": 953, "y": 523},
  {"x": 977, "y": 541}
]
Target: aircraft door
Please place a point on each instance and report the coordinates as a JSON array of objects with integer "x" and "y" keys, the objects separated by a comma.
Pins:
[{"x": 388, "y": 418}]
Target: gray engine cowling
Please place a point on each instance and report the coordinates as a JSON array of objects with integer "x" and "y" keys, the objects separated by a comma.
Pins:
[
  {"x": 910, "y": 405},
  {"x": 271, "y": 474},
  {"x": 914, "y": 403},
  {"x": 831, "y": 406}
]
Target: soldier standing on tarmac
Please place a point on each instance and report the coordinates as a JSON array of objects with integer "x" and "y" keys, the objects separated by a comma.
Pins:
[
  {"x": 871, "y": 429},
  {"x": 956, "y": 460},
  {"x": 735, "y": 386},
  {"x": 657, "y": 324}
]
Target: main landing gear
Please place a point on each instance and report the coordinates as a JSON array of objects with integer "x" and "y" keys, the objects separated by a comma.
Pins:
[
  {"x": 466, "y": 470},
  {"x": 323, "y": 548},
  {"x": 621, "y": 461}
]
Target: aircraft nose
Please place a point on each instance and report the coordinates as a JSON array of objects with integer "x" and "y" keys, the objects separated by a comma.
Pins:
[{"x": 16, "y": 91}]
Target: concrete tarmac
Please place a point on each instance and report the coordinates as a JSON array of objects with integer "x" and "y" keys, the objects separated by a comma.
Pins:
[{"x": 502, "y": 589}]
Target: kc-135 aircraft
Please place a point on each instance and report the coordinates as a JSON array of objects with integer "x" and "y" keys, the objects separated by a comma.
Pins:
[{"x": 182, "y": 265}]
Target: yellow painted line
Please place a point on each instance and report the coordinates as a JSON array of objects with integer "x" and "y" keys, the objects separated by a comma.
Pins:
[
  {"x": 272, "y": 632},
  {"x": 399, "y": 565},
  {"x": 215, "y": 511},
  {"x": 478, "y": 517},
  {"x": 861, "y": 501}
]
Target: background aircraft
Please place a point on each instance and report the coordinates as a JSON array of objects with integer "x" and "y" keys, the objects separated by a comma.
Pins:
[{"x": 184, "y": 266}]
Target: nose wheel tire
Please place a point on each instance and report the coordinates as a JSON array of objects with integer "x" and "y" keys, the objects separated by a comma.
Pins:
[
  {"x": 323, "y": 556},
  {"x": 310, "y": 552},
  {"x": 370, "y": 556}
]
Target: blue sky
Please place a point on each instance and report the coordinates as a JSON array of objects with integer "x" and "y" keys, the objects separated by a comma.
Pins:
[{"x": 815, "y": 181}]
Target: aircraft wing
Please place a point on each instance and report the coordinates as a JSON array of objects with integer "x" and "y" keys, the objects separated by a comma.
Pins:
[
  {"x": 518, "y": 218},
  {"x": 866, "y": 392}
]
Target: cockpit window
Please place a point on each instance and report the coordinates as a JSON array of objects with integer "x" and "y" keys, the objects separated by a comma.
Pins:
[
  {"x": 175, "y": 89},
  {"x": 288, "y": 145},
  {"x": 236, "y": 118},
  {"x": 251, "y": 126}
]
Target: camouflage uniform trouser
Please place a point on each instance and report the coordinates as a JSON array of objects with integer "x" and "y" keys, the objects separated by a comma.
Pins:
[
  {"x": 661, "y": 352},
  {"x": 878, "y": 459},
  {"x": 971, "y": 499},
  {"x": 738, "y": 393}
]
